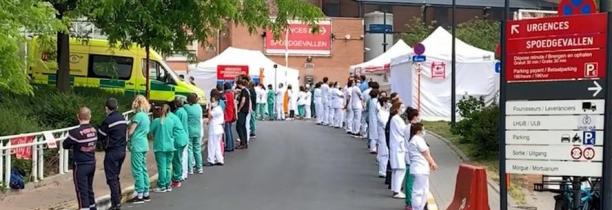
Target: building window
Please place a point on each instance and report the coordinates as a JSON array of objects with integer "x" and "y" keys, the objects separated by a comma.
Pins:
[
  {"x": 111, "y": 67},
  {"x": 331, "y": 8},
  {"x": 192, "y": 50}
]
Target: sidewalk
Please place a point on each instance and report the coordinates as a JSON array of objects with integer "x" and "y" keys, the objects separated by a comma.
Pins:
[
  {"x": 57, "y": 192},
  {"x": 442, "y": 182}
]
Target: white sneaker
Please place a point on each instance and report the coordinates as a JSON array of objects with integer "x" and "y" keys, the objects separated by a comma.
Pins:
[
  {"x": 160, "y": 190},
  {"x": 399, "y": 195}
]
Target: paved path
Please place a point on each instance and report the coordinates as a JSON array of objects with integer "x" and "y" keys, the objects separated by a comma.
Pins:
[{"x": 291, "y": 166}]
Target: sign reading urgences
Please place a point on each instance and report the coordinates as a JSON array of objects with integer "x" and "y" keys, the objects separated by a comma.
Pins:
[{"x": 555, "y": 68}]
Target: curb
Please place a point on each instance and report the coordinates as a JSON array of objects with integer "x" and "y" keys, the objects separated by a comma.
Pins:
[
  {"x": 494, "y": 185},
  {"x": 431, "y": 202}
]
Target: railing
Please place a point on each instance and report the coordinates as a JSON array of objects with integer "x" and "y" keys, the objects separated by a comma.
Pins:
[{"x": 41, "y": 141}]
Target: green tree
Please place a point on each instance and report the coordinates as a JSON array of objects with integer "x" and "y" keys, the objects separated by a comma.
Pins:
[
  {"x": 418, "y": 30},
  {"x": 479, "y": 32},
  {"x": 18, "y": 17},
  {"x": 168, "y": 26}
]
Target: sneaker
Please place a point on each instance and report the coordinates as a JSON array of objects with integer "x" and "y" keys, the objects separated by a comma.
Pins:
[
  {"x": 115, "y": 208},
  {"x": 160, "y": 190},
  {"x": 190, "y": 172},
  {"x": 175, "y": 184},
  {"x": 136, "y": 200},
  {"x": 146, "y": 198},
  {"x": 399, "y": 195},
  {"x": 200, "y": 171},
  {"x": 169, "y": 189}
]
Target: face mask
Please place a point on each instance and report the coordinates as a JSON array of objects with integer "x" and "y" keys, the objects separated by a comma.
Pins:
[{"x": 214, "y": 104}]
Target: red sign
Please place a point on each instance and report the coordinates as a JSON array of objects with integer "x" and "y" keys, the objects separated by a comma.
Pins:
[
  {"x": 22, "y": 152},
  {"x": 556, "y": 48},
  {"x": 438, "y": 70},
  {"x": 301, "y": 40},
  {"x": 230, "y": 72}
]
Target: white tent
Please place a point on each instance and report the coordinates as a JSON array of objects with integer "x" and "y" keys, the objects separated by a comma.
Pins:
[
  {"x": 205, "y": 73},
  {"x": 381, "y": 62},
  {"x": 475, "y": 76}
]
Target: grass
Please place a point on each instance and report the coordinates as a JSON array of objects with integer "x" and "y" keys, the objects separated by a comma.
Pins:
[{"x": 442, "y": 128}]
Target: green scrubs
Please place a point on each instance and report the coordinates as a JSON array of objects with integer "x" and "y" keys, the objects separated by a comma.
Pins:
[
  {"x": 194, "y": 130},
  {"x": 408, "y": 186},
  {"x": 163, "y": 145},
  {"x": 180, "y": 142},
  {"x": 270, "y": 102},
  {"x": 139, "y": 146}
]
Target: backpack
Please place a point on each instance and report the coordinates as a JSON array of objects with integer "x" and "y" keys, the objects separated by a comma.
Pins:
[{"x": 16, "y": 181}]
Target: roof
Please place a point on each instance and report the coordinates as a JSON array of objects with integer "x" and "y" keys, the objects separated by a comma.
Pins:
[{"x": 521, "y": 4}]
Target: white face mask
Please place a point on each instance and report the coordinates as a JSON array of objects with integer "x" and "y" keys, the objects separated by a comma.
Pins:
[{"x": 214, "y": 104}]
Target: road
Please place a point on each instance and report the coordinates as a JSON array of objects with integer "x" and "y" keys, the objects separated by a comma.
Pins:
[{"x": 292, "y": 165}]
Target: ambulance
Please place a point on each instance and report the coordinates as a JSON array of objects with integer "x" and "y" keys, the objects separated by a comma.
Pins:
[{"x": 94, "y": 63}]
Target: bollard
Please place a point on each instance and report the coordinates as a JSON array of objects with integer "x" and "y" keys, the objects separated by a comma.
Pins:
[{"x": 471, "y": 192}]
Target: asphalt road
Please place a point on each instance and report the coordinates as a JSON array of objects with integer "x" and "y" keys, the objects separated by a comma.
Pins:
[{"x": 291, "y": 165}]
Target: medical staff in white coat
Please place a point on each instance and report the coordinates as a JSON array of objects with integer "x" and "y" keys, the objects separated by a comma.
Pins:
[
  {"x": 357, "y": 108},
  {"x": 421, "y": 164},
  {"x": 280, "y": 114},
  {"x": 292, "y": 102},
  {"x": 397, "y": 151},
  {"x": 348, "y": 121},
  {"x": 382, "y": 116},
  {"x": 325, "y": 100},
  {"x": 332, "y": 97},
  {"x": 337, "y": 106},
  {"x": 308, "y": 101},
  {"x": 318, "y": 102},
  {"x": 373, "y": 120},
  {"x": 215, "y": 132}
]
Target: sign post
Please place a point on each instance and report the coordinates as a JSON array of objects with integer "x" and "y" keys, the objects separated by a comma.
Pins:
[{"x": 555, "y": 97}]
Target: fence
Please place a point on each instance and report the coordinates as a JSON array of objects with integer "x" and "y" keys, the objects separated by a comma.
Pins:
[{"x": 40, "y": 142}]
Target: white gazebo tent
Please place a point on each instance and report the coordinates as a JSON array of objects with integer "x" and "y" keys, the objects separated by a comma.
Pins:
[
  {"x": 431, "y": 91},
  {"x": 205, "y": 73},
  {"x": 380, "y": 64}
]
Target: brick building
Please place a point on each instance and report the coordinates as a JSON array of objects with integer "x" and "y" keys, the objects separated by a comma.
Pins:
[{"x": 347, "y": 22}]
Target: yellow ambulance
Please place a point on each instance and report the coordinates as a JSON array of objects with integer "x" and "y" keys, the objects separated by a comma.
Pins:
[{"x": 94, "y": 63}]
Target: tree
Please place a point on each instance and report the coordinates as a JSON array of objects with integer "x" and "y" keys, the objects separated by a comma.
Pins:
[
  {"x": 418, "y": 30},
  {"x": 168, "y": 26},
  {"x": 63, "y": 11},
  {"x": 19, "y": 17},
  {"x": 479, "y": 32}
]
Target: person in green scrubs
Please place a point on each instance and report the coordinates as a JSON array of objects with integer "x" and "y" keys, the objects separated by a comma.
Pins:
[
  {"x": 180, "y": 141},
  {"x": 270, "y": 102},
  {"x": 194, "y": 129},
  {"x": 162, "y": 133},
  {"x": 138, "y": 145}
]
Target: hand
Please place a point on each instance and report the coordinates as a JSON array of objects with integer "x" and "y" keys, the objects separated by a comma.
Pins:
[{"x": 433, "y": 166}]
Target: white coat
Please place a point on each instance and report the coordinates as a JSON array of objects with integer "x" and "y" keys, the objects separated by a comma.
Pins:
[
  {"x": 339, "y": 99},
  {"x": 397, "y": 144},
  {"x": 324, "y": 94},
  {"x": 383, "y": 117},
  {"x": 373, "y": 119}
]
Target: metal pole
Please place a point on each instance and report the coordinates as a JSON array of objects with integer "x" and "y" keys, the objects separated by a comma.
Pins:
[
  {"x": 503, "y": 186},
  {"x": 453, "y": 68},
  {"x": 384, "y": 31},
  {"x": 606, "y": 185}
]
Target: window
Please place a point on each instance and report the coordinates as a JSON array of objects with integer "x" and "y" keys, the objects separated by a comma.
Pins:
[
  {"x": 111, "y": 67},
  {"x": 331, "y": 8},
  {"x": 157, "y": 72}
]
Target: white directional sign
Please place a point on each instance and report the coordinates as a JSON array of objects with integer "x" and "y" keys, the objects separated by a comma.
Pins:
[
  {"x": 555, "y": 107},
  {"x": 567, "y": 137},
  {"x": 557, "y": 152},
  {"x": 553, "y": 168},
  {"x": 564, "y": 122}
]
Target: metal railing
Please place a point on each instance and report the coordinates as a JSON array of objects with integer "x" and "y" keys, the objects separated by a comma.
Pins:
[{"x": 40, "y": 142}]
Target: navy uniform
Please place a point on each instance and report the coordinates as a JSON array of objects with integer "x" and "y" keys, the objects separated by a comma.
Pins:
[
  {"x": 113, "y": 133},
  {"x": 82, "y": 142}
]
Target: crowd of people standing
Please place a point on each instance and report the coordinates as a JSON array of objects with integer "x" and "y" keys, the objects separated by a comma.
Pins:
[
  {"x": 394, "y": 133},
  {"x": 176, "y": 130}
]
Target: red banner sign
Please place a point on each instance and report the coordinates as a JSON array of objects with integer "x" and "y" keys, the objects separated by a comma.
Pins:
[
  {"x": 556, "y": 48},
  {"x": 230, "y": 72},
  {"x": 22, "y": 152},
  {"x": 301, "y": 40}
]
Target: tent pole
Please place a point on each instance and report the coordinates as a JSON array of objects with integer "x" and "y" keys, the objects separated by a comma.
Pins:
[{"x": 453, "y": 69}]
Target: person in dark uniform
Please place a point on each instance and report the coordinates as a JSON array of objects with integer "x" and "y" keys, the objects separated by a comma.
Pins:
[
  {"x": 82, "y": 142},
  {"x": 113, "y": 138}
]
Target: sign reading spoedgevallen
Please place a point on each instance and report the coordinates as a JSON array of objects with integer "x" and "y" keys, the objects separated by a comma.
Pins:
[{"x": 557, "y": 48}]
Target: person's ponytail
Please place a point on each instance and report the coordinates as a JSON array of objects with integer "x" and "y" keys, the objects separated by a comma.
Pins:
[{"x": 415, "y": 128}]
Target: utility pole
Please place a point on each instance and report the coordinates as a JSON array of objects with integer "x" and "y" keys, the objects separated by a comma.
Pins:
[
  {"x": 503, "y": 186},
  {"x": 453, "y": 68},
  {"x": 606, "y": 186}
]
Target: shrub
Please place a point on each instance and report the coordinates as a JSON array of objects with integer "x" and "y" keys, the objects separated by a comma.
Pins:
[{"x": 478, "y": 127}]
